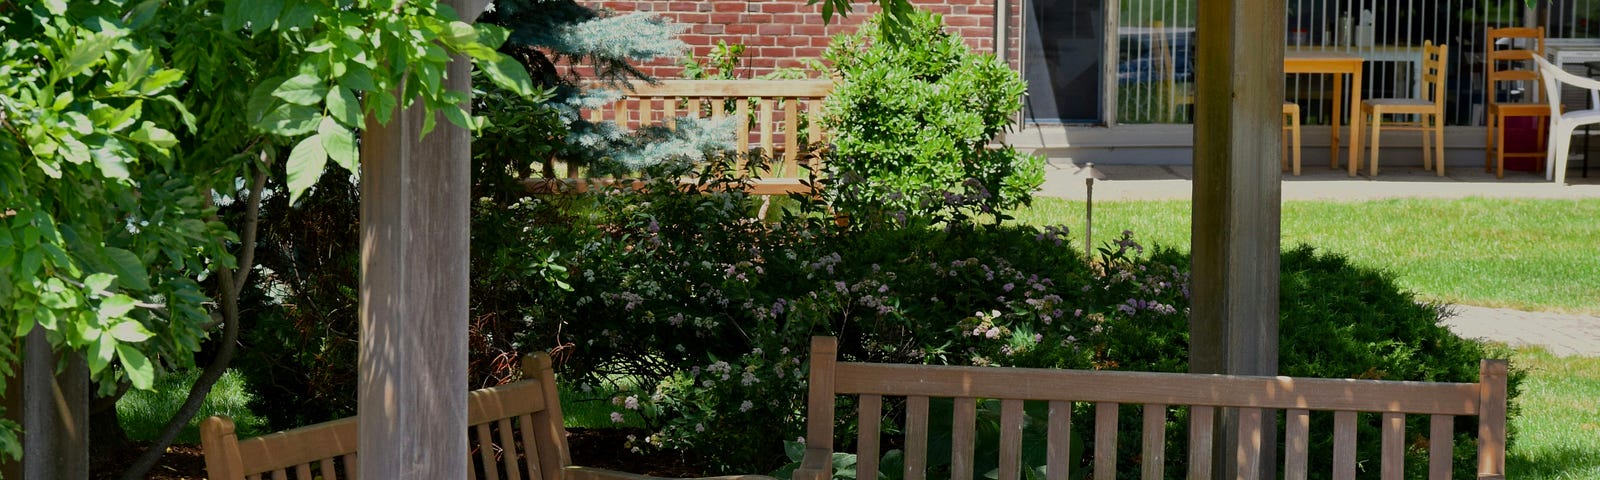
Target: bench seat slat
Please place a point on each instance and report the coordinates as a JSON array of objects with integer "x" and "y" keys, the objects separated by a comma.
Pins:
[
  {"x": 871, "y": 408},
  {"x": 1105, "y": 441},
  {"x": 1155, "y": 442},
  {"x": 1010, "y": 439},
  {"x": 1165, "y": 388},
  {"x": 1297, "y": 433},
  {"x": 916, "y": 438},
  {"x": 961, "y": 438},
  {"x": 1441, "y": 446},
  {"x": 1058, "y": 464}
]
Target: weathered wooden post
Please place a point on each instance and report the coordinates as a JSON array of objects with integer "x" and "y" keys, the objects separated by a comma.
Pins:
[
  {"x": 414, "y": 236},
  {"x": 53, "y": 410},
  {"x": 1234, "y": 317}
]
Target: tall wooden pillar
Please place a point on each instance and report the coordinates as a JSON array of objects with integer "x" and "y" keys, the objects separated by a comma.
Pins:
[
  {"x": 414, "y": 236},
  {"x": 53, "y": 410},
  {"x": 1234, "y": 318}
]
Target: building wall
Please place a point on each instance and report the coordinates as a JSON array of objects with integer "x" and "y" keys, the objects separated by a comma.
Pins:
[{"x": 778, "y": 33}]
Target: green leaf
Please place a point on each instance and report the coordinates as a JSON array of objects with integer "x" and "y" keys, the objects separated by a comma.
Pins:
[
  {"x": 306, "y": 163},
  {"x": 100, "y": 353},
  {"x": 508, "y": 74},
  {"x": 84, "y": 54},
  {"x": 139, "y": 370},
  {"x": 303, "y": 89},
  {"x": 290, "y": 120},
  {"x": 117, "y": 306},
  {"x": 261, "y": 13},
  {"x": 458, "y": 116},
  {"x": 340, "y": 144},
  {"x": 112, "y": 162},
  {"x": 151, "y": 134},
  {"x": 99, "y": 281},
  {"x": 344, "y": 106},
  {"x": 130, "y": 271},
  {"x": 131, "y": 331},
  {"x": 73, "y": 150}
]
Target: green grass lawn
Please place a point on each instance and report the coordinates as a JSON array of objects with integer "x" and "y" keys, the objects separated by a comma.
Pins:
[
  {"x": 143, "y": 413},
  {"x": 1517, "y": 253},
  {"x": 1558, "y": 433}
]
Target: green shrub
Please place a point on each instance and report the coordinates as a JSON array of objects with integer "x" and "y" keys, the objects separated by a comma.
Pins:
[{"x": 912, "y": 121}]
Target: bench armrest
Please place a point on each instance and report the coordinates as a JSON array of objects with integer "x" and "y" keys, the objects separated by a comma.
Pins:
[
  {"x": 817, "y": 464},
  {"x": 591, "y": 473}
]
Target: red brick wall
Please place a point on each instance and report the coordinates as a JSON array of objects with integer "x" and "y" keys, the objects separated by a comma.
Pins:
[{"x": 777, "y": 33}]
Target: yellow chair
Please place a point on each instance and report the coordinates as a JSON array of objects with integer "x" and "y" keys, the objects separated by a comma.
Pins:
[
  {"x": 1291, "y": 131},
  {"x": 1512, "y": 65},
  {"x": 1429, "y": 110}
]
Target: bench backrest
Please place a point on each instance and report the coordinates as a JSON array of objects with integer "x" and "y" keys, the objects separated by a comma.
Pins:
[
  {"x": 514, "y": 432},
  {"x": 778, "y": 106},
  {"x": 1156, "y": 393}
]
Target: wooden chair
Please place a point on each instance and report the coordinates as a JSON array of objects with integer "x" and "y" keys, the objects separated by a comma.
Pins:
[
  {"x": 1512, "y": 65},
  {"x": 514, "y": 431},
  {"x": 1429, "y": 110},
  {"x": 1291, "y": 132}
]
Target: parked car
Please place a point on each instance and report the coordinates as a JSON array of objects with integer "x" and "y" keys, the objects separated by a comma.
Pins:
[{"x": 1141, "y": 60}]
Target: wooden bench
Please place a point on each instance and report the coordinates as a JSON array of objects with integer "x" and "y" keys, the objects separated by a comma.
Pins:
[
  {"x": 515, "y": 432},
  {"x": 1204, "y": 395},
  {"x": 778, "y": 105}
]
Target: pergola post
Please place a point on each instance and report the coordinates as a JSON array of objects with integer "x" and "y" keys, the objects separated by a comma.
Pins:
[
  {"x": 1234, "y": 316},
  {"x": 415, "y": 194},
  {"x": 53, "y": 410}
]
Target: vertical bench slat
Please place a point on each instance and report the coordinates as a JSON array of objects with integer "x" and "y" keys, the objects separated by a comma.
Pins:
[
  {"x": 549, "y": 436},
  {"x": 814, "y": 130},
  {"x": 326, "y": 468},
  {"x": 961, "y": 438},
  {"x": 1251, "y": 438},
  {"x": 530, "y": 454},
  {"x": 764, "y": 120},
  {"x": 1201, "y": 420},
  {"x": 916, "y": 438},
  {"x": 1492, "y": 418},
  {"x": 624, "y": 114},
  {"x": 1153, "y": 465},
  {"x": 302, "y": 471},
  {"x": 1058, "y": 459},
  {"x": 1394, "y": 446},
  {"x": 716, "y": 107},
  {"x": 508, "y": 442},
  {"x": 669, "y": 113},
  {"x": 1297, "y": 433},
  {"x": 741, "y": 123},
  {"x": 352, "y": 468},
  {"x": 1010, "y": 439},
  {"x": 871, "y": 408},
  {"x": 280, "y": 474},
  {"x": 1105, "y": 441},
  {"x": 253, "y": 476},
  {"x": 819, "y": 396},
  {"x": 1441, "y": 446},
  {"x": 1344, "y": 445},
  {"x": 486, "y": 451},
  {"x": 791, "y": 137}
]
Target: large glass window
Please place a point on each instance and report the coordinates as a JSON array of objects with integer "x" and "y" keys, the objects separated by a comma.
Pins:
[{"x": 1062, "y": 53}]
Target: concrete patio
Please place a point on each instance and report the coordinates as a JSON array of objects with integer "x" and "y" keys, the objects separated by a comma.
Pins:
[{"x": 1065, "y": 178}]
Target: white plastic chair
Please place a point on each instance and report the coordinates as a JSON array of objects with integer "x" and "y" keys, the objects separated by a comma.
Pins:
[{"x": 1562, "y": 126}]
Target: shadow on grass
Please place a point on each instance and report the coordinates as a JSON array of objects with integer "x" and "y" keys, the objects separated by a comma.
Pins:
[{"x": 1553, "y": 463}]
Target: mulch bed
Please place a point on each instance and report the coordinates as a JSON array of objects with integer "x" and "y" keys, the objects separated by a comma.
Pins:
[{"x": 590, "y": 448}]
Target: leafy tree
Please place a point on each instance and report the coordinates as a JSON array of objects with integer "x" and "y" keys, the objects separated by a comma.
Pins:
[{"x": 125, "y": 123}]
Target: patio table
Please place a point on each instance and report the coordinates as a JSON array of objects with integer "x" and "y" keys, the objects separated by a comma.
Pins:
[{"x": 1339, "y": 64}]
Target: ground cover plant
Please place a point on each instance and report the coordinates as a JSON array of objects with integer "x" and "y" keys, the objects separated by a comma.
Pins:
[{"x": 1527, "y": 254}]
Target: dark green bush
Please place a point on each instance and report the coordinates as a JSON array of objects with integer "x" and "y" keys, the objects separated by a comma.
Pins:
[{"x": 912, "y": 121}]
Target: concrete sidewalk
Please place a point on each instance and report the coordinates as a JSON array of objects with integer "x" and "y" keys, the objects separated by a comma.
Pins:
[
  {"x": 1562, "y": 334},
  {"x": 1065, "y": 179}
]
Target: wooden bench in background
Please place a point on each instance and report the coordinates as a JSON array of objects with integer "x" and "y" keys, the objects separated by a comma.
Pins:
[
  {"x": 778, "y": 107},
  {"x": 1204, "y": 395},
  {"x": 515, "y": 432}
]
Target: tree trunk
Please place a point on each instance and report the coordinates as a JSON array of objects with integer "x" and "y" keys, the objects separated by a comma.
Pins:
[{"x": 231, "y": 283}]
